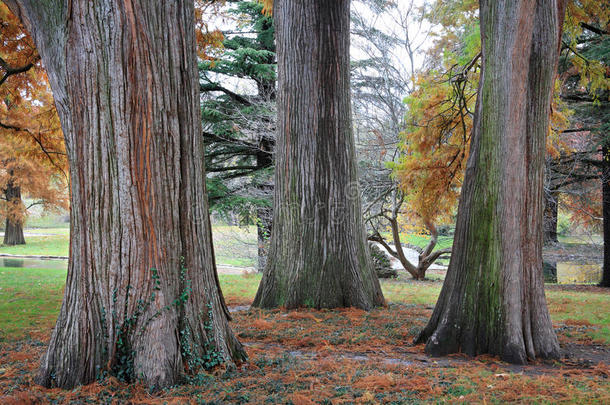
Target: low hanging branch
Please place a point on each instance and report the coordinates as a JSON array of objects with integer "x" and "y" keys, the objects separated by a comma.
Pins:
[
  {"x": 47, "y": 152},
  {"x": 10, "y": 71},
  {"x": 427, "y": 256}
]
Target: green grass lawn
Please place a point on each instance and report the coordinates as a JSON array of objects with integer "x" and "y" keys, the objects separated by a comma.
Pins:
[
  {"x": 233, "y": 245},
  {"x": 38, "y": 219},
  {"x": 29, "y": 300},
  {"x": 443, "y": 242},
  {"x": 582, "y": 309},
  {"x": 52, "y": 245}
]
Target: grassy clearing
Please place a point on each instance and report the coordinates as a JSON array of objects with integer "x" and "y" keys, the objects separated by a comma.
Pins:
[
  {"x": 233, "y": 245},
  {"x": 39, "y": 219},
  {"x": 315, "y": 357},
  {"x": 584, "y": 315},
  {"x": 404, "y": 290},
  {"x": 51, "y": 245},
  {"x": 29, "y": 300}
]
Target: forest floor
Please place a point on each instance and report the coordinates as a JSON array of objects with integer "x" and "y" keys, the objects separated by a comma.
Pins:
[{"x": 325, "y": 357}]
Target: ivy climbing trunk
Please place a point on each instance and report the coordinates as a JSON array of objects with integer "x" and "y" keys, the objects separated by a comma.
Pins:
[
  {"x": 13, "y": 229},
  {"x": 142, "y": 299},
  {"x": 492, "y": 299},
  {"x": 318, "y": 255}
]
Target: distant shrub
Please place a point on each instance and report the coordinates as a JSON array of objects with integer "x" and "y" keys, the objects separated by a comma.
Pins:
[{"x": 445, "y": 230}]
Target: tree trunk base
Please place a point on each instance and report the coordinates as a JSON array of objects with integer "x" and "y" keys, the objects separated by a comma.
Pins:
[
  {"x": 13, "y": 234},
  {"x": 142, "y": 299},
  {"x": 344, "y": 284}
]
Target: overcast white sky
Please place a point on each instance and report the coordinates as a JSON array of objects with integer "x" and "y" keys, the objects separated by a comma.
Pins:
[{"x": 390, "y": 22}]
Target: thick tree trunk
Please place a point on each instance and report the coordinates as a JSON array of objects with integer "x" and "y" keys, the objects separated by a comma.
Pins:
[
  {"x": 493, "y": 299},
  {"x": 262, "y": 236},
  {"x": 606, "y": 214},
  {"x": 318, "y": 255},
  {"x": 13, "y": 233},
  {"x": 13, "y": 230},
  {"x": 550, "y": 218},
  {"x": 264, "y": 160},
  {"x": 142, "y": 299}
]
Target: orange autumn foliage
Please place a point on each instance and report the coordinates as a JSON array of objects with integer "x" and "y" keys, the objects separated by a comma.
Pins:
[
  {"x": 376, "y": 383},
  {"x": 267, "y": 6},
  {"x": 435, "y": 146},
  {"x": 32, "y": 149},
  {"x": 301, "y": 399},
  {"x": 262, "y": 324},
  {"x": 594, "y": 74},
  {"x": 358, "y": 370},
  {"x": 209, "y": 40},
  {"x": 435, "y": 142}
]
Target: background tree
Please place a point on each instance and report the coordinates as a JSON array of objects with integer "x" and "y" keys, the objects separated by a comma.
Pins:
[
  {"x": 32, "y": 154},
  {"x": 584, "y": 68},
  {"x": 492, "y": 299},
  {"x": 142, "y": 298},
  {"x": 434, "y": 144},
  {"x": 433, "y": 147},
  {"x": 388, "y": 38},
  {"x": 318, "y": 255},
  {"x": 27, "y": 170},
  {"x": 239, "y": 122}
]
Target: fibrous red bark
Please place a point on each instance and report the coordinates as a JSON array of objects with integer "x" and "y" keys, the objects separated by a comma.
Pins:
[
  {"x": 605, "y": 282},
  {"x": 142, "y": 299}
]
